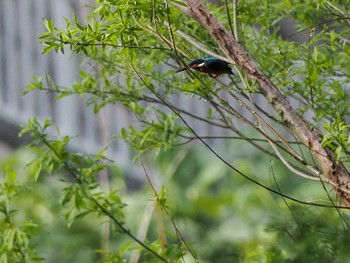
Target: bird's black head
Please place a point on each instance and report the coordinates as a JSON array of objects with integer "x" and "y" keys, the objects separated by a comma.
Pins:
[{"x": 195, "y": 63}]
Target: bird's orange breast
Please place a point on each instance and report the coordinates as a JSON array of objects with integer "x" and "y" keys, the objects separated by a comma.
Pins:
[{"x": 213, "y": 71}]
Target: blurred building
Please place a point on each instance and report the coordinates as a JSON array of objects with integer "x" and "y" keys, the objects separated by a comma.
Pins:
[{"x": 20, "y": 26}]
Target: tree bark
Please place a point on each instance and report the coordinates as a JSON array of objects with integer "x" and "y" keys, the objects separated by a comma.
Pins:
[{"x": 337, "y": 173}]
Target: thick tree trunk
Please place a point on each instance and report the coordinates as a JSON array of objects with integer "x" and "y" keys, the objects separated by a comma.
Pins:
[{"x": 324, "y": 156}]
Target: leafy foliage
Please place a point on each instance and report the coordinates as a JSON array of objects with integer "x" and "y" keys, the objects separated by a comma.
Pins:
[{"x": 16, "y": 235}]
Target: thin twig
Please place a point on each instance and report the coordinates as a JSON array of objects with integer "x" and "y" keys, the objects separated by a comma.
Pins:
[
  {"x": 111, "y": 45},
  {"x": 317, "y": 25},
  {"x": 164, "y": 208},
  {"x": 229, "y": 17},
  {"x": 201, "y": 47},
  {"x": 235, "y": 20},
  {"x": 284, "y": 200}
]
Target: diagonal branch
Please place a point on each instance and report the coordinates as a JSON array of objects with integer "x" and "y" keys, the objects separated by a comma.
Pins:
[{"x": 231, "y": 48}]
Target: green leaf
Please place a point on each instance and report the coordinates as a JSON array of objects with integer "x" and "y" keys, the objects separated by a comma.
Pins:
[
  {"x": 49, "y": 25},
  {"x": 124, "y": 133},
  {"x": 48, "y": 49}
]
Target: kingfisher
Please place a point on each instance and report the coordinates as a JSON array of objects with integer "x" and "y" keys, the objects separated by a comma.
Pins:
[{"x": 211, "y": 66}]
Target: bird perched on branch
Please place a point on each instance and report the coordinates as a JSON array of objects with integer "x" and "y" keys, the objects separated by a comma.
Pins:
[{"x": 211, "y": 66}]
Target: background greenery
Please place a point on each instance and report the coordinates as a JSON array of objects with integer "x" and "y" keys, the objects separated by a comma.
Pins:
[{"x": 222, "y": 216}]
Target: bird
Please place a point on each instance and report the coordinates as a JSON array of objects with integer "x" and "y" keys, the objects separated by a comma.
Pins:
[{"x": 211, "y": 66}]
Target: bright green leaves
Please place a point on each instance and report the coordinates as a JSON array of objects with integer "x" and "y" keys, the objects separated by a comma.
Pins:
[
  {"x": 338, "y": 139},
  {"x": 138, "y": 9},
  {"x": 83, "y": 195},
  {"x": 80, "y": 38},
  {"x": 112, "y": 24},
  {"x": 49, "y": 26},
  {"x": 311, "y": 62},
  {"x": 36, "y": 84},
  {"x": 318, "y": 73},
  {"x": 52, "y": 158},
  {"x": 15, "y": 234},
  {"x": 161, "y": 133},
  {"x": 55, "y": 157},
  {"x": 15, "y": 245},
  {"x": 161, "y": 199},
  {"x": 80, "y": 200},
  {"x": 50, "y": 40},
  {"x": 324, "y": 86}
]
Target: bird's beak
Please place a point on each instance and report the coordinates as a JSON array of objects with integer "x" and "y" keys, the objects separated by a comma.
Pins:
[{"x": 180, "y": 70}]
